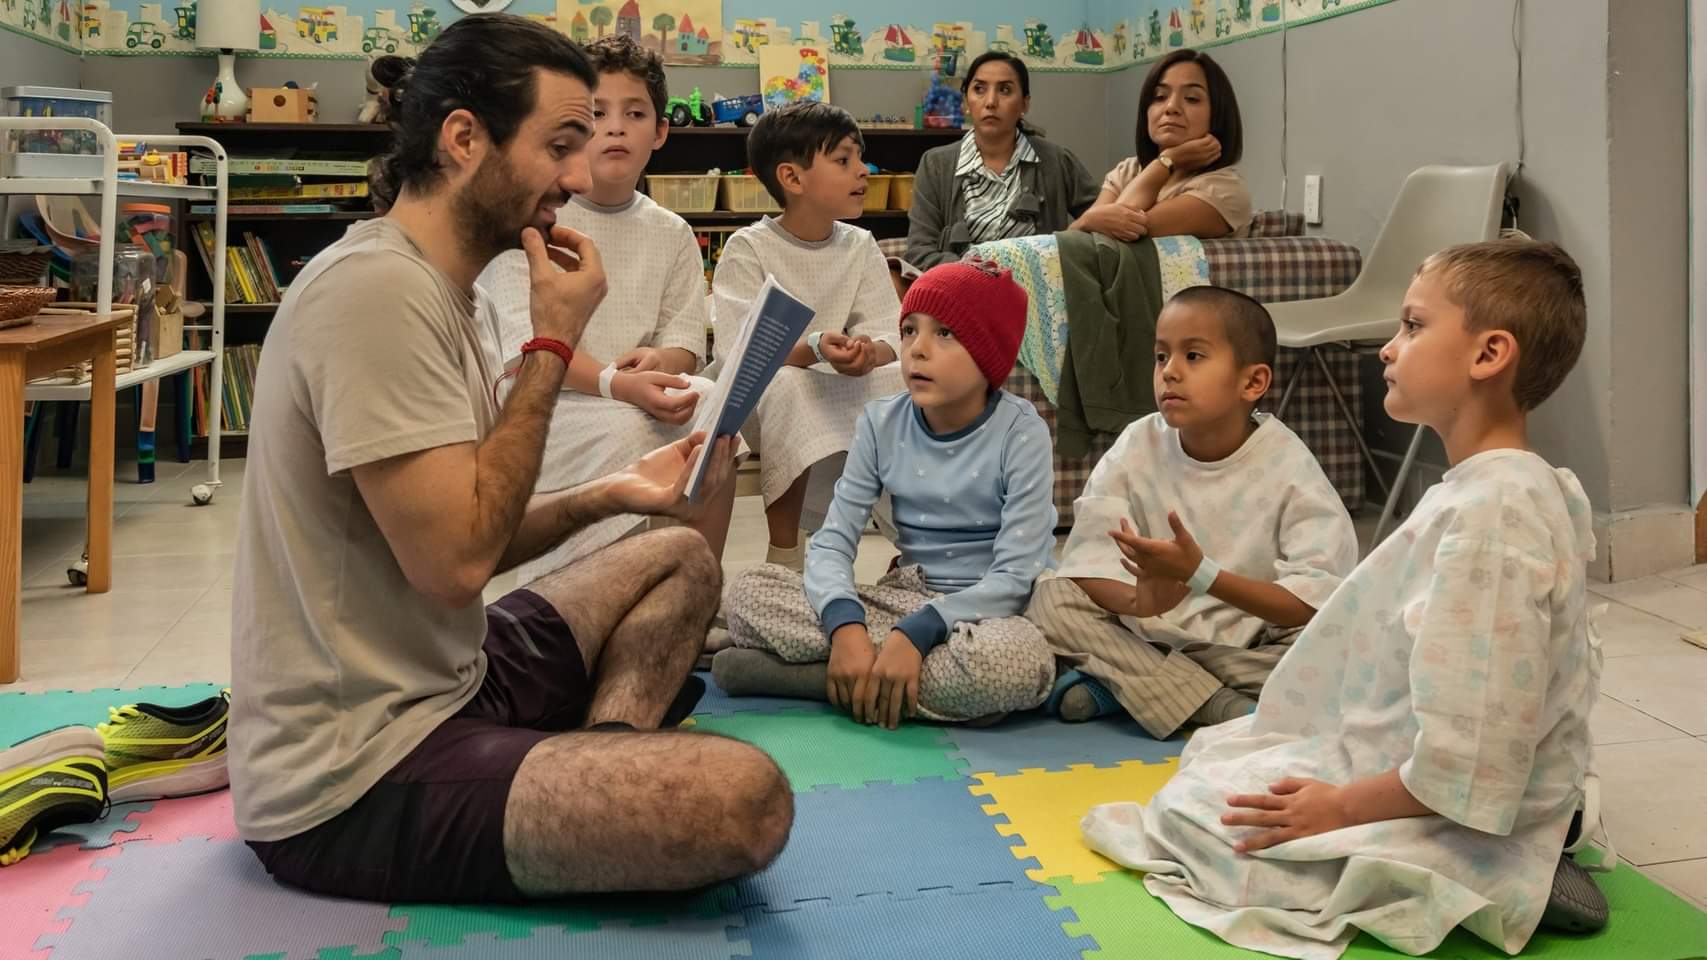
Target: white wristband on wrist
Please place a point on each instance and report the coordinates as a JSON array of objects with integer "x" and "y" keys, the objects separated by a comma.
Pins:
[
  {"x": 814, "y": 340},
  {"x": 1204, "y": 578},
  {"x": 605, "y": 377}
]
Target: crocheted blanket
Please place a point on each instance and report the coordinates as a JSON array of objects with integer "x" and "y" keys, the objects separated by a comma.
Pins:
[{"x": 1036, "y": 265}]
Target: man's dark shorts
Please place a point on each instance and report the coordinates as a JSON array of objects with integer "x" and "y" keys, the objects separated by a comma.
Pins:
[{"x": 432, "y": 829}]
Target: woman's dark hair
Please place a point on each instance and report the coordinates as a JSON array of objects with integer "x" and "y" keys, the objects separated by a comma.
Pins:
[
  {"x": 485, "y": 64},
  {"x": 618, "y": 53},
  {"x": 1224, "y": 123},
  {"x": 796, "y": 134},
  {"x": 998, "y": 56},
  {"x": 1002, "y": 56}
]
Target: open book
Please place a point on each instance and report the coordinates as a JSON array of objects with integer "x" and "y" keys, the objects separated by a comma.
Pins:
[{"x": 774, "y": 324}]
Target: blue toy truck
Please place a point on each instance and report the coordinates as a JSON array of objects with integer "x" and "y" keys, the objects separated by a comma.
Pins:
[{"x": 743, "y": 111}]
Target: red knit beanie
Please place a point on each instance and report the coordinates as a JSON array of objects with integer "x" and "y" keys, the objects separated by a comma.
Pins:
[{"x": 982, "y": 305}]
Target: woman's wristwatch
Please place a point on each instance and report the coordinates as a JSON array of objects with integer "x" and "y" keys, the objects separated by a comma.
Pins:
[{"x": 1165, "y": 161}]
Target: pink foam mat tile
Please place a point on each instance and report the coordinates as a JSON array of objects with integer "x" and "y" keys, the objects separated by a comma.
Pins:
[{"x": 34, "y": 891}]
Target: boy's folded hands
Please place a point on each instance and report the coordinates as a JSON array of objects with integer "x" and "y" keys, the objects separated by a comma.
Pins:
[
  {"x": 874, "y": 688},
  {"x": 850, "y": 356}
]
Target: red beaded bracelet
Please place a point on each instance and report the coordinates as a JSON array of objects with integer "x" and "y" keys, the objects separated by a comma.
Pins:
[{"x": 563, "y": 350}]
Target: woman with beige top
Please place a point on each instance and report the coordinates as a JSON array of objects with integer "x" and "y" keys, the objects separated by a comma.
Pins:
[{"x": 1182, "y": 181}]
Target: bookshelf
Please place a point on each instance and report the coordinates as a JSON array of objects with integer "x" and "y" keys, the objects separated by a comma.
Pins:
[
  {"x": 283, "y": 241},
  {"x": 291, "y": 238}
]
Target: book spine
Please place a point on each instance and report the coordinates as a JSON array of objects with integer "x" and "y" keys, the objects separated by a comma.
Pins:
[
  {"x": 259, "y": 264},
  {"x": 265, "y": 208},
  {"x": 306, "y": 191}
]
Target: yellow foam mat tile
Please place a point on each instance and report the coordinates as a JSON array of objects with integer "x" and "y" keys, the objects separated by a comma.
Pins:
[{"x": 1044, "y": 809}]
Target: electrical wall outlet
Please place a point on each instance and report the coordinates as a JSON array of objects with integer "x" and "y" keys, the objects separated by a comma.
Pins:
[{"x": 1313, "y": 199}]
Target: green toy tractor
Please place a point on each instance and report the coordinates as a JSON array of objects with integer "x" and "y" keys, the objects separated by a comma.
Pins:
[{"x": 689, "y": 111}]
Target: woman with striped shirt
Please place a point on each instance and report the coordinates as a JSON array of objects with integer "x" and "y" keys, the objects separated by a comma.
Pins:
[{"x": 1001, "y": 180}]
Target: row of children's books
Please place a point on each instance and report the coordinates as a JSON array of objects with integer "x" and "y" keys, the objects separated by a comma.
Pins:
[
  {"x": 251, "y": 272},
  {"x": 238, "y": 390}
]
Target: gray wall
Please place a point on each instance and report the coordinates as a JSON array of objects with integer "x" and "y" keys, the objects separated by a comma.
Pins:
[
  {"x": 26, "y": 61},
  {"x": 1649, "y": 167},
  {"x": 1363, "y": 117}
]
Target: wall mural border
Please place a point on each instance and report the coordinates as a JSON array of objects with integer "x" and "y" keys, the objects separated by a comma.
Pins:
[{"x": 1110, "y": 36}]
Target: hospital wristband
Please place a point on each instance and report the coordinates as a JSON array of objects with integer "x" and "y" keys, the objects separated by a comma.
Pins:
[
  {"x": 814, "y": 340},
  {"x": 1204, "y": 578},
  {"x": 605, "y": 377}
]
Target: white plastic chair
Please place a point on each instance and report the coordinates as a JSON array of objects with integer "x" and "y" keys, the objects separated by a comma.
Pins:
[{"x": 1437, "y": 206}]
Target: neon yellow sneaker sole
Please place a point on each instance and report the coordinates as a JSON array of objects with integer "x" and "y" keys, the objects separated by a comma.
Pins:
[{"x": 154, "y": 752}]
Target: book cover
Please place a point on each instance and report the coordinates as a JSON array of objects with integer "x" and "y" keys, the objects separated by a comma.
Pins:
[{"x": 774, "y": 324}]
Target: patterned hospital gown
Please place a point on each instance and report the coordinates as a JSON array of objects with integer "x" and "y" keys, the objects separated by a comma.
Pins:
[
  {"x": 656, "y": 298},
  {"x": 1459, "y": 652}
]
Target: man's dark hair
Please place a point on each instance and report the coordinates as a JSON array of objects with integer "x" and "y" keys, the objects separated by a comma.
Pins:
[
  {"x": 486, "y": 64},
  {"x": 1224, "y": 123},
  {"x": 618, "y": 53},
  {"x": 797, "y": 134},
  {"x": 1249, "y": 328}
]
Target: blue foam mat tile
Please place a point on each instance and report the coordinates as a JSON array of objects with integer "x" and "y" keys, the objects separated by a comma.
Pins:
[
  {"x": 716, "y": 702},
  {"x": 212, "y": 900},
  {"x": 705, "y": 938},
  {"x": 23, "y": 715},
  {"x": 1036, "y": 741},
  {"x": 99, "y": 834},
  {"x": 942, "y": 926},
  {"x": 899, "y": 840}
]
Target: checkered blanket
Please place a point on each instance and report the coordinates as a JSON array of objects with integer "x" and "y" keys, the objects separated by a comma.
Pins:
[
  {"x": 1036, "y": 266},
  {"x": 1274, "y": 264}
]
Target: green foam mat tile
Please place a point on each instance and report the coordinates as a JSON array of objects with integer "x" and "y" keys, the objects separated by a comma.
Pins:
[
  {"x": 1648, "y": 922},
  {"x": 441, "y": 925},
  {"x": 815, "y": 748},
  {"x": 23, "y": 715}
]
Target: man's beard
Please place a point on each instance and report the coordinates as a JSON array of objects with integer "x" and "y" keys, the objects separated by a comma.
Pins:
[{"x": 493, "y": 210}]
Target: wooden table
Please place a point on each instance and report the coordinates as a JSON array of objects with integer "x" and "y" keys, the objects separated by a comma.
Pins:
[{"x": 36, "y": 350}]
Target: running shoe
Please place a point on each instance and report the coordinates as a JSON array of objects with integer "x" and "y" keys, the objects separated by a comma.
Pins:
[
  {"x": 47, "y": 782},
  {"x": 154, "y": 752}
]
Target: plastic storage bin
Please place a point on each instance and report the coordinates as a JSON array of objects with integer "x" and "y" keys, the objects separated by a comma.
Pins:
[
  {"x": 901, "y": 192},
  {"x": 684, "y": 194},
  {"x": 743, "y": 193},
  {"x": 877, "y": 192},
  {"x": 53, "y": 153}
]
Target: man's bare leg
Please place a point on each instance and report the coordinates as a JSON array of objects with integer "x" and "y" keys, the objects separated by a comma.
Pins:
[
  {"x": 603, "y": 812},
  {"x": 639, "y": 610}
]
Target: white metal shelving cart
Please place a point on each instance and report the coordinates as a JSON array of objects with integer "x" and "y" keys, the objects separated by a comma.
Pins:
[{"x": 108, "y": 187}]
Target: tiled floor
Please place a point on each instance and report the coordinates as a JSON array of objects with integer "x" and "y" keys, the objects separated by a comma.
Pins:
[{"x": 166, "y": 621}]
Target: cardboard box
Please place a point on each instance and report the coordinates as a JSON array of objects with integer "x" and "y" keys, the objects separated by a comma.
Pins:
[{"x": 283, "y": 105}]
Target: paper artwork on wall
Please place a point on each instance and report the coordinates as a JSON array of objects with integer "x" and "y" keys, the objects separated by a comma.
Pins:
[
  {"x": 793, "y": 73},
  {"x": 1091, "y": 36}
]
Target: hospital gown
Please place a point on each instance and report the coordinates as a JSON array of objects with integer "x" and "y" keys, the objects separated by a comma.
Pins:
[
  {"x": 1459, "y": 652},
  {"x": 656, "y": 298}
]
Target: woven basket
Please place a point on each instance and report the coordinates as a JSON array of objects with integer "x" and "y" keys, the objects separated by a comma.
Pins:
[
  {"x": 124, "y": 343},
  {"x": 19, "y": 304},
  {"x": 24, "y": 267}
]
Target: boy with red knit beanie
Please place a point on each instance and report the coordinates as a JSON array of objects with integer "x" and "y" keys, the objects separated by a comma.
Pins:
[{"x": 969, "y": 472}]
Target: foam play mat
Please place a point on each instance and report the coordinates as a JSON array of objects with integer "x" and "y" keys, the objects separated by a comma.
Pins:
[{"x": 929, "y": 842}]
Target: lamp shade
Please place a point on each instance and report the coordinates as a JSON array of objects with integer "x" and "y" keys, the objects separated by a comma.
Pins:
[{"x": 228, "y": 24}]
